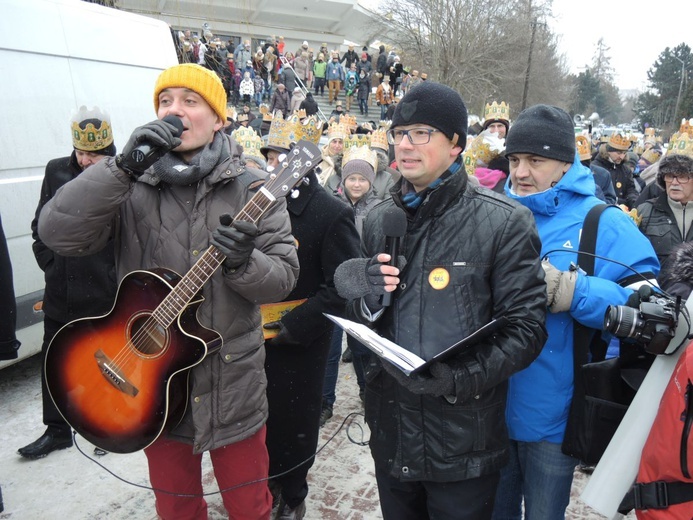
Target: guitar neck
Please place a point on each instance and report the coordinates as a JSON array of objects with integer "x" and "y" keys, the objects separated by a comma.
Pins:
[{"x": 186, "y": 289}]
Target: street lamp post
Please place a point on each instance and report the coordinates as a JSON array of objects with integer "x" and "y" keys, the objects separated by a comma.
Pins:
[{"x": 678, "y": 98}]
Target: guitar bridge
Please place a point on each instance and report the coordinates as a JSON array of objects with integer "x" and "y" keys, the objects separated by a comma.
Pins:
[{"x": 114, "y": 375}]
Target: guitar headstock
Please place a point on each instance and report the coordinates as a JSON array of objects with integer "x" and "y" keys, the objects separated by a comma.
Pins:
[{"x": 299, "y": 161}]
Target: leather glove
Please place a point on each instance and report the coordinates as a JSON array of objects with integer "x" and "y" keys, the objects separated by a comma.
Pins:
[
  {"x": 236, "y": 241},
  {"x": 441, "y": 382},
  {"x": 158, "y": 135},
  {"x": 560, "y": 287},
  {"x": 283, "y": 336}
]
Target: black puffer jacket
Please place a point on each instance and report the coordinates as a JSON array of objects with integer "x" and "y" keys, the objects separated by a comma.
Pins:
[
  {"x": 76, "y": 286},
  {"x": 623, "y": 181},
  {"x": 659, "y": 225},
  {"x": 484, "y": 250}
]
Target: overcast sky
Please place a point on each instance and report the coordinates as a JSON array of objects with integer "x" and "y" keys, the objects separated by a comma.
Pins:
[{"x": 635, "y": 32}]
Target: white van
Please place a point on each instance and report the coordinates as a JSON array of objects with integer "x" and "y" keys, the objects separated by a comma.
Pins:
[{"x": 56, "y": 55}]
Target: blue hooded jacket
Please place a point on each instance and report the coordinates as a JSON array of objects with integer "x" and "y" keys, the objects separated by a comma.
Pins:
[{"x": 539, "y": 396}]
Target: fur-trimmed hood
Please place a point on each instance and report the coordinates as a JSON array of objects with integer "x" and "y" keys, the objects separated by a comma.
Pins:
[{"x": 677, "y": 273}]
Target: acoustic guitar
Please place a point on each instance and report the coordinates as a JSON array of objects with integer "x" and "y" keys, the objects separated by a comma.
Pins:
[{"x": 121, "y": 379}]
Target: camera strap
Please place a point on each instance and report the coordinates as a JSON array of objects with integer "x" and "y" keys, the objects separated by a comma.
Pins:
[{"x": 588, "y": 244}]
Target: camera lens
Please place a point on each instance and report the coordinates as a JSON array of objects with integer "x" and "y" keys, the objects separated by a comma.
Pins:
[{"x": 622, "y": 321}]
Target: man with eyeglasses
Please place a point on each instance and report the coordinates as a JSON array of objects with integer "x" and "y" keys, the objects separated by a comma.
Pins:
[
  {"x": 667, "y": 219},
  {"x": 469, "y": 255}
]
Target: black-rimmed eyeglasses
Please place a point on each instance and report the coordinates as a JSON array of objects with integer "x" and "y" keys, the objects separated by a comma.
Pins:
[{"x": 416, "y": 136}]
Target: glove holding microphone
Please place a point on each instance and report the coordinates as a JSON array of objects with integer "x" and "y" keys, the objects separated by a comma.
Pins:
[
  {"x": 148, "y": 143},
  {"x": 374, "y": 279}
]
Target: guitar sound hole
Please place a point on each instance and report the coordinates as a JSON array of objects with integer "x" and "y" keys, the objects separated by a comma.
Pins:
[{"x": 147, "y": 336}]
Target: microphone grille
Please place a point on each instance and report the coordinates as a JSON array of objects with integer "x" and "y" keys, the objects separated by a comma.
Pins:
[
  {"x": 394, "y": 222},
  {"x": 175, "y": 121}
]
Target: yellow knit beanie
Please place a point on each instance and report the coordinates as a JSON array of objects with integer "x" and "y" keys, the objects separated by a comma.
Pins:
[{"x": 196, "y": 78}]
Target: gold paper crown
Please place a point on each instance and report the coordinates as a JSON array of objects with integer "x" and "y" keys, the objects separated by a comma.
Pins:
[
  {"x": 384, "y": 123},
  {"x": 357, "y": 140},
  {"x": 91, "y": 138},
  {"x": 619, "y": 142},
  {"x": 494, "y": 111},
  {"x": 265, "y": 111},
  {"x": 337, "y": 131},
  {"x": 485, "y": 147},
  {"x": 363, "y": 153},
  {"x": 348, "y": 121},
  {"x": 301, "y": 113},
  {"x": 632, "y": 213},
  {"x": 650, "y": 131},
  {"x": 379, "y": 139},
  {"x": 469, "y": 161},
  {"x": 283, "y": 132},
  {"x": 584, "y": 147},
  {"x": 309, "y": 129},
  {"x": 249, "y": 140},
  {"x": 652, "y": 155},
  {"x": 686, "y": 127},
  {"x": 683, "y": 145}
]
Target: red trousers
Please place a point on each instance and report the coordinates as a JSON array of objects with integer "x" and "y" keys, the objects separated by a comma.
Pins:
[{"x": 174, "y": 471}]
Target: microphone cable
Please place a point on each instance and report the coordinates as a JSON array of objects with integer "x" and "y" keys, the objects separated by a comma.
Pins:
[{"x": 348, "y": 421}]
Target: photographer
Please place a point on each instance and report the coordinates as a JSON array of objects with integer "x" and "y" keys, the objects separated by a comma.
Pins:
[{"x": 546, "y": 176}]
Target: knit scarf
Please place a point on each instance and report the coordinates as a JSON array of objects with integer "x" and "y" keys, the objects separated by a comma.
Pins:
[
  {"x": 172, "y": 170},
  {"x": 413, "y": 199}
]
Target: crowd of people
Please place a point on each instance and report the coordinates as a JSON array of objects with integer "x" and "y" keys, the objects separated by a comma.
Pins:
[{"x": 493, "y": 212}]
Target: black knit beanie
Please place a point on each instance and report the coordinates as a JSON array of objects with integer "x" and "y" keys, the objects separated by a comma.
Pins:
[
  {"x": 545, "y": 131},
  {"x": 435, "y": 105}
]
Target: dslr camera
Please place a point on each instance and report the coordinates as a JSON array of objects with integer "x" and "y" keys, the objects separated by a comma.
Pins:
[{"x": 652, "y": 324}]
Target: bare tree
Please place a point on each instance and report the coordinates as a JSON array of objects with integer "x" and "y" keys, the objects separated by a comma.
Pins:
[{"x": 480, "y": 48}]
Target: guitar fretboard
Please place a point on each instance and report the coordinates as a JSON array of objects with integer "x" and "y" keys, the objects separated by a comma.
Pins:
[{"x": 182, "y": 294}]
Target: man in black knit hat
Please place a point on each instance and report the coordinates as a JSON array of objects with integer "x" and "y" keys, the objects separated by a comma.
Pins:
[{"x": 438, "y": 439}]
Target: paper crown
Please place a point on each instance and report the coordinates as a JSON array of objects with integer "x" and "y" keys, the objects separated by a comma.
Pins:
[
  {"x": 91, "y": 129},
  {"x": 686, "y": 127},
  {"x": 363, "y": 153},
  {"x": 493, "y": 111},
  {"x": 309, "y": 128},
  {"x": 584, "y": 147},
  {"x": 265, "y": 111},
  {"x": 242, "y": 117},
  {"x": 337, "y": 131},
  {"x": 483, "y": 149},
  {"x": 249, "y": 140},
  {"x": 652, "y": 155},
  {"x": 384, "y": 123},
  {"x": 379, "y": 139},
  {"x": 283, "y": 132},
  {"x": 348, "y": 121},
  {"x": 357, "y": 140},
  {"x": 650, "y": 131},
  {"x": 301, "y": 113},
  {"x": 619, "y": 142},
  {"x": 683, "y": 145}
]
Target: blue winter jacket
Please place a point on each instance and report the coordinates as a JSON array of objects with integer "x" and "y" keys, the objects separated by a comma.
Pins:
[
  {"x": 334, "y": 71},
  {"x": 540, "y": 395}
]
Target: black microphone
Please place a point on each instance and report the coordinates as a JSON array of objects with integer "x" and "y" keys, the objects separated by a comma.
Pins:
[
  {"x": 394, "y": 228},
  {"x": 145, "y": 154}
]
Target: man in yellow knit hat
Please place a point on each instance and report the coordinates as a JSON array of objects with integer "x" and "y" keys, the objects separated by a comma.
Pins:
[{"x": 177, "y": 176}]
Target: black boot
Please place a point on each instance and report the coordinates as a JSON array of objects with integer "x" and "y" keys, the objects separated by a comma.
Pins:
[
  {"x": 48, "y": 442},
  {"x": 287, "y": 513}
]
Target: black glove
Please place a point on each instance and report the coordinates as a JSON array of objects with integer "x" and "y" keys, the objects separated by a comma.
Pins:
[
  {"x": 441, "y": 383},
  {"x": 283, "y": 336},
  {"x": 146, "y": 146},
  {"x": 359, "y": 277},
  {"x": 236, "y": 241}
]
